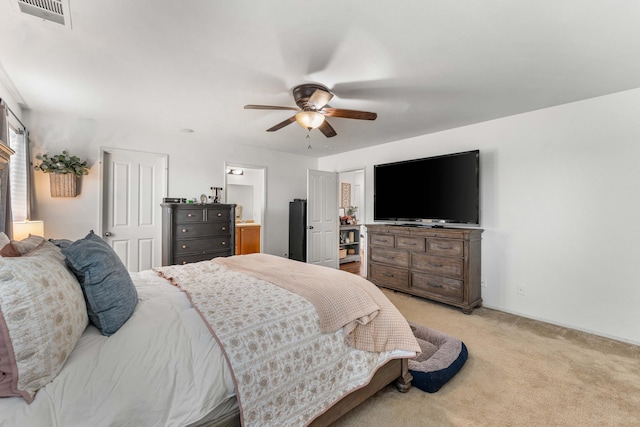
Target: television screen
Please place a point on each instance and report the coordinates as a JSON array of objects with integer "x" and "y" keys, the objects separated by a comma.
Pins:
[{"x": 434, "y": 189}]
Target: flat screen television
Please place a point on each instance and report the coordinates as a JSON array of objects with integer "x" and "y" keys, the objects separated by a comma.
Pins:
[{"x": 441, "y": 189}]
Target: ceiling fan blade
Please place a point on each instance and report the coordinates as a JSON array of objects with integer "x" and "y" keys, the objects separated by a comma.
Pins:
[
  {"x": 319, "y": 99},
  {"x": 282, "y": 124},
  {"x": 268, "y": 107},
  {"x": 349, "y": 114},
  {"x": 327, "y": 129}
]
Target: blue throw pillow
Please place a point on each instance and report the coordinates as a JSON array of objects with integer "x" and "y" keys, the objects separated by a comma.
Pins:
[{"x": 107, "y": 286}]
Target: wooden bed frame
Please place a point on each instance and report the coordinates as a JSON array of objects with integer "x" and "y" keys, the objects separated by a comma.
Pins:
[{"x": 395, "y": 370}]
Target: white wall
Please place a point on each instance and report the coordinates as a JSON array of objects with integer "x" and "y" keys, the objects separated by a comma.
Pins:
[
  {"x": 8, "y": 98},
  {"x": 560, "y": 206},
  {"x": 195, "y": 165}
]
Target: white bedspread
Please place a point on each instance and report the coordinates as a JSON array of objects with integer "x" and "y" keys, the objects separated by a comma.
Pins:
[{"x": 162, "y": 368}]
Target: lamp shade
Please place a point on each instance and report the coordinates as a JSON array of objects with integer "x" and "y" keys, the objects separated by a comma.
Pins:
[
  {"x": 22, "y": 229},
  {"x": 309, "y": 119}
]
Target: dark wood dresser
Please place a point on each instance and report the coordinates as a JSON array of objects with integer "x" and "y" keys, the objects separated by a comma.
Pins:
[
  {"x": 196, "y": 232},
  {"x": 441, "y": 264}
]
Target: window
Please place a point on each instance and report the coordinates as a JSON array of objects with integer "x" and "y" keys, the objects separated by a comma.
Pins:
[{"x": 19, "y": 173}]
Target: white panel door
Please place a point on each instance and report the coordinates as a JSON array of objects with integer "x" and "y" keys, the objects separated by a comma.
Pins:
[
  {"x": 322, "y": 218},
  {"x": 133, "y": 185}
]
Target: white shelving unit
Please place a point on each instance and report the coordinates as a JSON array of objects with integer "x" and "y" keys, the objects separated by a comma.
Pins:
[{"x": 350, "y": 239}]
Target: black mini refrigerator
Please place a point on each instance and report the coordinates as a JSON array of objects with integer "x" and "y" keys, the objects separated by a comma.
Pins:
[{"x": 298, "y": 230}]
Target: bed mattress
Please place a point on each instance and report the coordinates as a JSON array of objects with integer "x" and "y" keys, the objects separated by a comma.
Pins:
[{"x": 163, "y": 359}]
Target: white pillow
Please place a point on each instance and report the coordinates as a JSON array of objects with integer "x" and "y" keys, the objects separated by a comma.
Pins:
[{"x": 42, "y": 316}]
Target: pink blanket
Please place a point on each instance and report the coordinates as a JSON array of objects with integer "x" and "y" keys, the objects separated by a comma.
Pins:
[{"x": 341, "y": 299}]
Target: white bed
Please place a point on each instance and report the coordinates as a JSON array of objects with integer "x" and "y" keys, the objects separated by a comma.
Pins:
[
  {"x": 164, "y": 365},
  {"x": 162, "y": 368}
]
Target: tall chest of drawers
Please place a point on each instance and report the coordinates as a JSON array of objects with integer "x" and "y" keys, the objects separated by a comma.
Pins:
[
  {"x": 442, "y": 264},
  {"x": 196, "y": 232}
]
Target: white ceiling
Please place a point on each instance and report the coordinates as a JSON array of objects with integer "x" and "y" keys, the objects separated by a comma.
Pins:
[{"x": 423, "y": 66}]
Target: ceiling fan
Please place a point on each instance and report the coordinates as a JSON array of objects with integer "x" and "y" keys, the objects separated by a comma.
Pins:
[{"x": 312, "y": 101}]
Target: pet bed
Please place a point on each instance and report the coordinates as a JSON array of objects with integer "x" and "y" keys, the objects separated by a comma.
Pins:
[{"x": 441, "y": 358}]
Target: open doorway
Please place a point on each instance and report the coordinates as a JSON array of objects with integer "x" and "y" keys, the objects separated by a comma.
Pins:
[
  {"x": 245, "y": 186},
  {"x": 353, "y": 212}
]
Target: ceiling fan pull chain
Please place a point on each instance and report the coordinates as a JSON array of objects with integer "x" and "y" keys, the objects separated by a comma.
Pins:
[{"x": 309, "y": 138}]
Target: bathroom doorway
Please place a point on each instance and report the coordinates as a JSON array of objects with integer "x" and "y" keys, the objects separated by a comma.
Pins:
[{"x": 245, "y": 185}]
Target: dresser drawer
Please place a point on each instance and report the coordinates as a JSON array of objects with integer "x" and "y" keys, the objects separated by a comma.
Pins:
[
  {"x": 186, "y": 259},
  {"x": 382, "y": 240},
  {"x": 218, "y": 214},
  {"x": 390, "y": 256},
  {"x": 201, "y": 229},
  {"x": 189, "y": 246},
  {"x": 450, "y": 267},
  {"x": 444, "y": 287},
  {"x": 415, "y": 244},
  {"x": 183, "y": 216},
  {"x": 394, "y": 277},
  {"x": 444, "y": 247}
]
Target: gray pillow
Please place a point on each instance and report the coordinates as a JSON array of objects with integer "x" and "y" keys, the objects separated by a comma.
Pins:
[{"x": 108, "y": 289}]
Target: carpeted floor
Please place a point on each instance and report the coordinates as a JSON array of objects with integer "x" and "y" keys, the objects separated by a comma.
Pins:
[{"x": 520, "y": 372}]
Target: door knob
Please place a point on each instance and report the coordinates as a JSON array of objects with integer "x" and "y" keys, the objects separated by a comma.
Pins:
[{"x": 107, "y": 234}]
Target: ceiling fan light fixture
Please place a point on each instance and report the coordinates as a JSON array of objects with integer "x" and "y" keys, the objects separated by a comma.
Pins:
[{"x": 309, "y": 119}]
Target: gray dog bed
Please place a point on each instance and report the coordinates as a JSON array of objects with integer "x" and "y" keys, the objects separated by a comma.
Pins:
[{"x": 442, "y": 357}]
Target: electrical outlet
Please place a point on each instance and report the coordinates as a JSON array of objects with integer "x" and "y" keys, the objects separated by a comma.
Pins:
[
  {"x": 483, "y": 282},
  {"x": 521, "y": 290}
]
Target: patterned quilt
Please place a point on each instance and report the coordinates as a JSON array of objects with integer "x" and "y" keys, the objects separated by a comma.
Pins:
[{"x": 287, "y": 372}]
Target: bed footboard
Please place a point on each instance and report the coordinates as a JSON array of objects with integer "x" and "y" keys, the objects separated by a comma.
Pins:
[{"x": 395, "y": 370}]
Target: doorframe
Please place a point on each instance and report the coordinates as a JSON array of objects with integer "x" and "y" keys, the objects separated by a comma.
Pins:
[
  {"x": 263, "y": 201},
  {"x": 165, "y": 186},
  {"x": 361, "y": 219}
]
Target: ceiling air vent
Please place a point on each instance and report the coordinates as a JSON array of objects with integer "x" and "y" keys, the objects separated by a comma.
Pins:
[{"x": 51, "y": 10}]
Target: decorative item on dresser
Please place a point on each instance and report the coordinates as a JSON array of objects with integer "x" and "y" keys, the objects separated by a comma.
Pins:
[
  {"x": 196, "y": 232},
  {"x": 442, "y": 264}
]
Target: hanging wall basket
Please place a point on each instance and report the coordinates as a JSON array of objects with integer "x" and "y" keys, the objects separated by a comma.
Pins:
[{"x": 63, "y": 184}]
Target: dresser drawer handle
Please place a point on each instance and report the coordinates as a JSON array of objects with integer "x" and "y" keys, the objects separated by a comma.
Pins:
[
  {"x": 444, "y": 247},
  {"x": 184, "y": 246},
  {"x": 436, "y": 265},
  {"x": 184, "y": 262},
  {"x": 388, "y": 275},
  {"x": 411, "y": 244},
  {"x": 184, "y": 230},
  {"x": 388, "y": 257},
  {"x": 224, "y": 228},
  {"x": 435, "y": 285},
  {"x": 189, "y": 215},
  {"x": 219, "y": 213},
  {"x": 223, "y": 243}
]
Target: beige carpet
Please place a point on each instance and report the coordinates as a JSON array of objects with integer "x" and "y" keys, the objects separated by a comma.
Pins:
[{"x": 520, "y": 372}]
